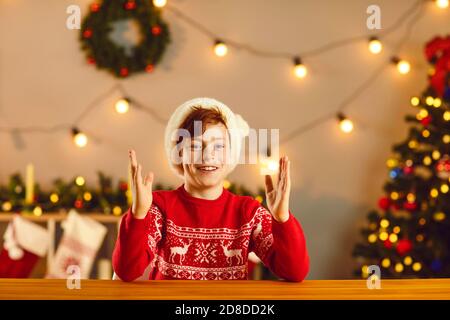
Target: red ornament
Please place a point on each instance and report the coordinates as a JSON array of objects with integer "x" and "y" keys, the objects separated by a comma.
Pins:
[
  {"x": 87, "y": 33},
  {"x": 411, "y": 206},
  {"x": 387, "y": 244},
  {"x": 130, "y": 5},
  {"x": 426, "y": 121},
  {"x": 95, "y": 7},
  {"x": 156, "y": 30},
  {"x": 123, "y": 186},
  {"x": 404, "y": 246},
  {"x": 124, "y": 72},
  {"x": 384, "y": 203},
  {"x": 78, "y": 203},
  {"x": 408, "y": 170},
  {"x": 91, "y": 60},
  {"x": 149, "y": 68}
]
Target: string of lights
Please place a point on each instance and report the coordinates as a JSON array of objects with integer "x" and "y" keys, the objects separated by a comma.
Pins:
[
  {"x": 221, "y": 48},
  {"x": 403, "y": 67}
]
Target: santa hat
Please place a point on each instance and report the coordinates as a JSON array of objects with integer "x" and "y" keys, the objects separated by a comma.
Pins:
[{"x": 237, "y": 127}]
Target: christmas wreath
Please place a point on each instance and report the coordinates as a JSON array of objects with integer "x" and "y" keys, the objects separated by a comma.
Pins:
[{"x": 103, "y": 23}]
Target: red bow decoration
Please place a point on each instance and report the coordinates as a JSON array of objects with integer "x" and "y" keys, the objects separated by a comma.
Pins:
[{"x": 437, "y": 52}]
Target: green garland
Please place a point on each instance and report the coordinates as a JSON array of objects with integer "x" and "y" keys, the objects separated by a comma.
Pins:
[
  {"x": 105, "y": 54},
  {"x": 108, "y": 198}
]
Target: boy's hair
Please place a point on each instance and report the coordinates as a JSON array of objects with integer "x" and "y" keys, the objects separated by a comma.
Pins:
[{"x": 205, "y": 115}]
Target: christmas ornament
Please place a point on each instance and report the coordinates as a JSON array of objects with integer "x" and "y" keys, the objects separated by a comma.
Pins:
[
  {"x": 404, "y": 246},
  {"x": 411, "y": 206},
  {"x": 387, "y": 244},
  {"x": 436, "y": 265},
  {"x": 384, "y": 203}
]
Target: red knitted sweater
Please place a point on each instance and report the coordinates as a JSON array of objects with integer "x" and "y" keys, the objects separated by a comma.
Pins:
[{"x": 183, "y": 237}]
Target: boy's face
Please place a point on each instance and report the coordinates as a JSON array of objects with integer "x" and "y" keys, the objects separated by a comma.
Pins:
[{"x": 205, "y": 157}]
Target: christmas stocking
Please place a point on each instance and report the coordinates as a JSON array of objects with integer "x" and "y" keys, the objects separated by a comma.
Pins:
[
  {"x": 79, "y": 245},
  {"x": 24, "y": 243}
]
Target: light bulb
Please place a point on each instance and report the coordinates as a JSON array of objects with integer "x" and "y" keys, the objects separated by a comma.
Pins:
[
  {"x": 375, "y": 45},
  {"x": 159, "y": 3},
  {"x": 403, "y": 66},
  {"x": 300, "y": 70},
  {"x": 443, "y": 4},
  {"x": 220, "y": 48},
  {"x": 345, "y": 124},
  {"x": 384, "y": 223},
  {"x": 6, "y": 206},
  {"x": 79, "y": 181},
  {"x": 54, "y": 198},
  {"x": 87, "y": 196},
  {"x": 79, "y": 138},
  {"x": 415, "y": 101},
  {"x": 417, "y": 266},
  {"x": 268, "y": 166},
  {"x": 122, "y": 105},
  {"x": 37, "y": 211},
  {"x": 399, "y": 267},
  {"x": 117, "y": 211}
]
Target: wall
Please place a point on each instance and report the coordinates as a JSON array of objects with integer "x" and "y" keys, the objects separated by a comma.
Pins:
[{"x": 337, "y": 178}]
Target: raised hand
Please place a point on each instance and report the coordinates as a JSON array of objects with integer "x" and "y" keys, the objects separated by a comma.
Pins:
[
  {"x": 278, "y": 197},
  {"x": 141, "y": 188}
]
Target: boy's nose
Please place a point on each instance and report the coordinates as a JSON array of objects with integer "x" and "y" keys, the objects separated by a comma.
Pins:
[{"x": 208, "y": 154}]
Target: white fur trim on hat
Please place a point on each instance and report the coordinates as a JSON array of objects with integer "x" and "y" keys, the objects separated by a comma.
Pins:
[{"x": 236, "y": 125}]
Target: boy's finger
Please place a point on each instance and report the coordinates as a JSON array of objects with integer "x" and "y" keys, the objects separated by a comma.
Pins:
[
  {"x": 269, "y": 183},
  {"x": 149, "y": 179},
  {"x": 280, "y": 169},
  {"x": 133, "y": 158},
  {"x": 131, "y": 174},
  {"x": 288, "y": 173},
  {"x": 145, "y": 179},
  {"x": 130, "y": 164},
  {"x": 139, "y": 174}
]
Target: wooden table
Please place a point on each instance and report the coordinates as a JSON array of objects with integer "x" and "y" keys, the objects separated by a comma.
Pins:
[{"x": 39, "y": 289}]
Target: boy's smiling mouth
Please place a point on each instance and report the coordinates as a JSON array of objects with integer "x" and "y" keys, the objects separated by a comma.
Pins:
[{"x": 207, "y": 168}]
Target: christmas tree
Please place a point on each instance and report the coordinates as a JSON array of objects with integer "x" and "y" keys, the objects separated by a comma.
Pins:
[{"x": 409, "y": 235}]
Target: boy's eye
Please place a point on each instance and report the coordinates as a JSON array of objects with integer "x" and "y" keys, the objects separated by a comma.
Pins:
[
  {"x": 196, "y": 146},
  {"x": 219, "y": 146}
]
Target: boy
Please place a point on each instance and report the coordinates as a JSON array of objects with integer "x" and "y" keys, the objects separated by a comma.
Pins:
[{"x": 201, "y": 231}]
